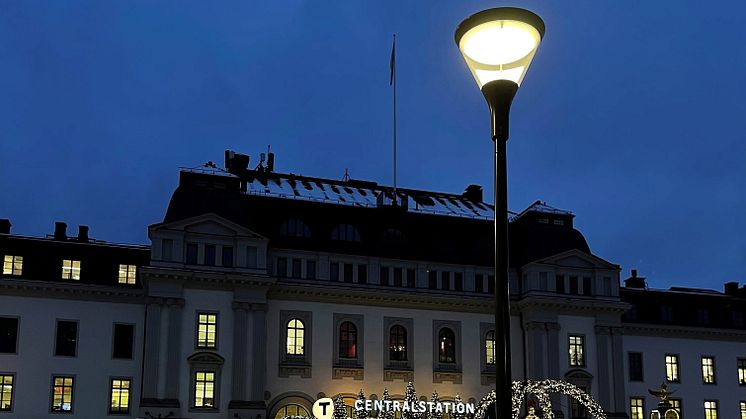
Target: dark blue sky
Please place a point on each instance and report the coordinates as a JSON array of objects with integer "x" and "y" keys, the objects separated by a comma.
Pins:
[{"x": 632, "y": 115}]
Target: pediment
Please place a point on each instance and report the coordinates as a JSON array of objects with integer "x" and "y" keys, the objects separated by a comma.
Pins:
[
  {"x": 206, "y": 358},
  {"x": 576, "y": 259},
  {"x": 208, "y": 224}
]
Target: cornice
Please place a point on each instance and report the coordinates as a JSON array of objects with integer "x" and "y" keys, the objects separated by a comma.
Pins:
[
  {"x": 191, "y": 278},
  {"x": 71, "y": 291},
  {"x": 681, "y": 332},
  {"x": 568, "y": 305}
]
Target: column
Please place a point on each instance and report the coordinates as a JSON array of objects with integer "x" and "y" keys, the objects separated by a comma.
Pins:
[
  {"x": 620, "y": 398},
  {"x": 259, "y": 351},
  {"x": 173, "y": 352},
  {"x": 535, "y": 332},
  {"x": 240, "y": 351},
  {"x": 152, "y": 349},
  {"x": 603, "y": 334},
  {"x": 163, "y": 350},
  {"x": 553, "y": 347}
]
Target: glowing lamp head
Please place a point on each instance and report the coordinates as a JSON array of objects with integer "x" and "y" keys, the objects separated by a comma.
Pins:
[{"x": 499, "y": 44}]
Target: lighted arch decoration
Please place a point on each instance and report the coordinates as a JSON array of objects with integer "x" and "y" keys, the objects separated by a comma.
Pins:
[{"x": 542, "y": 389}]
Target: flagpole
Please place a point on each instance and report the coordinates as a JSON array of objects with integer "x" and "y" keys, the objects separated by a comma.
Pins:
[{"x": 393, "y": 83}]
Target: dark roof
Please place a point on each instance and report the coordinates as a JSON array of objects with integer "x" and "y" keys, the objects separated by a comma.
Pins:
[{"x": 429, "y": 226}]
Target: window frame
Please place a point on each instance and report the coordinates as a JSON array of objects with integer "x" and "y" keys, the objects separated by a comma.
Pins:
[
  {"x": 716, "y": 403},
  {"x": 633, "y": 407},
  {"x": 304, "y": 359},
  {"x": 356, "y": 320},
  {"x": 187, "y": 259},
  {"x": 571, "y": 345},
  {"x": 113, "y": 339},
  {"x": 408, "y": 325},
  {"x": 193, "y": 390},
  {"x": 641, "y": 366},
  {"x": 127, "y": 272},
  {"x": 17, "y": 333},
  {"x": 13, "y": 262},
  {"x": 56, "y": 333},
  {"x": 348, "y": 341},
  {"x": 12, "y": 385},
  {"x": 111, "y": 396},
  {"x": 72, "y": 394},
  {"x": 712, "y": 367},
  {"x": 677, "y": 364},
  {"x": 71, "y": 269},
  {"x": 741, "y": 371},
  {"x": 208, "y": 313}
]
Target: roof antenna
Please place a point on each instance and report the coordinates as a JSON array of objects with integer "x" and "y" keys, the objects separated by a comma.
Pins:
[
  {"x": 392, "y": 83},
  {"x": 346, "y": 177}
]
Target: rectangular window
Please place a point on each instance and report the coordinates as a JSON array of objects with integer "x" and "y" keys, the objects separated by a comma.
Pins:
[
  {"x": 491, "y": 284},
  {"x": 574, "y": 285},
  {"x": 586, "y": 285},
  {"x": 667, "y": 314},
  {"x": 742, "y": 409},
  {"x": 411, "y": 278},
  {"x": 398, "y": 277},
  {"x": 348, "y": 272},
  {"x": 478, "y": 283},
  {"x": 67, "y": 338},
  {"x": 432, "y": 280},
  {"x": 458, "y": 279},
  {"x": 124, "y": 339},
  {"x": 13, "y": 265},
  {"x": 384, "y": 275},
  {"x": 362, "y": 274},
  {"x": 676, "y": 404},
  {"x": 192, "y": 249},
  {"x": 6, "y": 392},
  {"x": 209, "y": 255},
  {"x": 711, "y": 409},
  {"x": 227, "y": 260},
  {"x": 127, "y": 274},
  {"x": 204, "y": 389},
  {"x": 120, "y": 395},
  {"x": 577, "y": 350},
  {"x": 296, "y": 268},
  {"x": 282, "y": 267},
  {"x": 737, "y": 319},
  {"x": 334, "y": 271},
  {"x": 607, "y": 285},
  {"x": 672, "y": 368},
  {"x": 637, "y": 408},
  {"x": 543, "y": 284},
  {"x": 635, "y": 366},
  {"x": 310, "y": 269},
  {"x": 708, "y": 370},
  {"x": 251, "y": 257},
  {"x": 8, "y": 335},
  {"x": 167, "y": 250},
  {"x": 207, "y": 330},
  {"x": 560, "y": 284},
  {"x": 62, "y": 393},
  {"x": 559, "y": 222},
  {"x": 71, "y": 269},
  {"x": 445, "y": 280},
  {"x": 577, "y": 409},
  {"x": 741, "y": 365},
  {"x": 703, "y": 316}
]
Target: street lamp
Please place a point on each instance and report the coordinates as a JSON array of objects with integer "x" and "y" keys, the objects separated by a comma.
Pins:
[{"x": 498, "y": 46}]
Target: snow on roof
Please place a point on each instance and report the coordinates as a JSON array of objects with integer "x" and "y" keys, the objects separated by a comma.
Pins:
[{"x": 542, "y": 207}]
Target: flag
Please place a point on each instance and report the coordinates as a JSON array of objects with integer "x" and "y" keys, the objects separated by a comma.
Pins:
[{"x": 393, "y": 61}]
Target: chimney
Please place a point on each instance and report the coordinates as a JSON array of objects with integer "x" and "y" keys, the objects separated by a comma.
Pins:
[
  {"x": 473, "y": 193},
  {"x": 270, "y": 162},
  {"x": 83, "y": 234},
  {"x": 635, "y": 281},
  {"x": 4, "y": 226},
  {"x": 731, "y": 288},
  {"x": 60, "y": 231}
]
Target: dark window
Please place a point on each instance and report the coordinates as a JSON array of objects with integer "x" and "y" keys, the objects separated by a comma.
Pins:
[
  {"x": 667, "y": 313},
  {"x": 586, "y": 285},
  {"x": 311, "y": 269},
  {"x": 635, "y": 366},
  {"x": 334, "y": 271},
  {"x": 8, "y": 335},
  {"x": 478, "y": 283},
  {"x": 362, "y": 274},
  {"x": 384, "y": 275},
  {"x": 348, "y": 270},
  {"x": 703, "y": 316},
  {"x": 560, "y": 284},
  {"x": 446, "y": 346},
  {"x": 398, "y": 343},
  {"x": 191, "y": 253},
  {"x": 227, "y": 256},
  {"x": 167, "y": 246},
  {"x": 296, "y": 268},
  {"x": 67, "y": 338},
  {"x": 282, "y": 267},
  {"x": 251, "y": 257},
  {"x": 577, "y": 409},
  {"x": 346, "y": 232},
  {"x": 445, "y": 280},
  {"x": 737, "y": 319},
  {"x": 432, "y": 280},
  {"x": 347, "y": 340},
  {"x": 574, "y": 285},
  {"x": 491, "y": 284},
  {"x": 295, "y": 228},
  {"x": 411, "y": 278},
  {"x": 398, "y": 277},
  {"x": 458, "y": 278},
  {"x": 209, "y": 255},
  {"x": 124, "y": 338}
]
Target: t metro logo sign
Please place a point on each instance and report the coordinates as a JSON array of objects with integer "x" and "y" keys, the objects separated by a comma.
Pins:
[{"x": 323, "y": 408}]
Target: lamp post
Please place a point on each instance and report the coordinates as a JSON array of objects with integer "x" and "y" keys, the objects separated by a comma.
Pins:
[{"x": 498, "y": 46}]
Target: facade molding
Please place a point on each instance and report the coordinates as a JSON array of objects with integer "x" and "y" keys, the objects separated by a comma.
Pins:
[{"x": 679, "y": 332}]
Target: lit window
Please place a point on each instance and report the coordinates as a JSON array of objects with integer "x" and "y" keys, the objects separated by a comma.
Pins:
[
  {"x": 446, "y": 346},
  {"x": 6, "y": 392},
  {"x": 742, "y": 406},
  {"x": 577, "y": 351},
  {"x": 672, "y": 368},
  {"x": 204, "y": 389},
  {"x": 637, "y": 408},
  {"x": 347, "y": 340},
  {"x": 120, "y": 396},
  {"x": 398, "y": 343},
  {"x": 295, "y": 340},
  {"x": 292, "y": 410},
  {"x": 676, "y": 404},
  {"x": 71, "y": 269},
  {"x": 711, "y": 409},
  {"x": 559, "y": 222},
  {"x": 295, "y": 228},
  {"x": 207, "y": 326},
  {"x": 62, "y": 394},
  {"x": 489, "y": 344},
  {"x": 127, "y": 274},
  {"x": 741, "y": 363},
  {"x": 13, "y": 265},
  {"x": 346, "y": 232},
  {"x": 708, "y": 370}
]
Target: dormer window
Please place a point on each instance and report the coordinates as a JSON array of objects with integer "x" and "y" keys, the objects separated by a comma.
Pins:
[
  {"x": 346, "y": 232},
  {"x": 559, "y": 222},
  {"x": 295, "y": 228},
  {"x": 543, "y": 220}
]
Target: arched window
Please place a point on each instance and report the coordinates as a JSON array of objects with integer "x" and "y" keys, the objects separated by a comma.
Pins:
[
  {"x": 446, "y": 346},
  {"x": 294, "y": 228},
  {"x": 296, "y": 337},
  {"x": 347, "y": 340},
  {"x": 346, "y": 232},
  {"x": 292, "y": 410},
  {"x": 398, "y": 343},
  {"x": 489, "y": 345}
]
